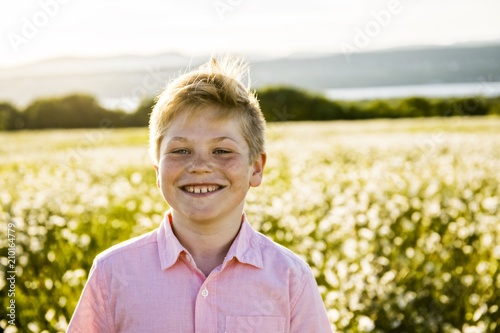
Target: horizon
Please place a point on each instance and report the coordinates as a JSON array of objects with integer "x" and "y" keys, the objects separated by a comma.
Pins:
[
  {"x": 125, "y": 80},
  {"x": 258, "y": 57}
]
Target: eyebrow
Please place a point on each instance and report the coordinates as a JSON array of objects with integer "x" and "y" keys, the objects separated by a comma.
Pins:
[
  {"x": 218, "y": 139},
  {"x": 178, "y": 138}
]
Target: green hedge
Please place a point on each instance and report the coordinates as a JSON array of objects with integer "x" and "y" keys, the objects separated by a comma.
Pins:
[{"x": 277, "y": 103}]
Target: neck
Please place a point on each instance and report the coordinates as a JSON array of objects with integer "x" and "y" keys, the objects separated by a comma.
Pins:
[{"x": 207, "y": 242}]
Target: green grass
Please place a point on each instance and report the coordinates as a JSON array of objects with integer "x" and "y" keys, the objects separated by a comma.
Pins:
[{"x": 399, "y": 219}]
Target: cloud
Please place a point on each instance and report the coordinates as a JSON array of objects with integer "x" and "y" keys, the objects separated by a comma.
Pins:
[{"x": 96, "y": 28}]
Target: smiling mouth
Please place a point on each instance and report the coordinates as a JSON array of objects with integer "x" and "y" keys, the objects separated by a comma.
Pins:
[{"x": 201, "y": 188}]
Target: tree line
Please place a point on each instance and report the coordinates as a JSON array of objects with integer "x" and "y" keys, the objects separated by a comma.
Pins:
[{"x": 278, "y": 103}]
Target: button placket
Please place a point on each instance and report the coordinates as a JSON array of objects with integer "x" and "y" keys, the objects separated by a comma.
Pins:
[{"x": 206, "y": 307}]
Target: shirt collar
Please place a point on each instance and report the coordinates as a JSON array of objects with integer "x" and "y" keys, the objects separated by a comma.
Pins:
[
  {"x": 169, "y": 247},
  {"x": 245, "y": 247}
]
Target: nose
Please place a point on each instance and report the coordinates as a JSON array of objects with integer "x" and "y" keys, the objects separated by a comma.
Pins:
[{"x": 199, "y": 164}]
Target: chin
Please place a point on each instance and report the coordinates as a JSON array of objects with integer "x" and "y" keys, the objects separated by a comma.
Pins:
[{"x": 199, "y": 214}]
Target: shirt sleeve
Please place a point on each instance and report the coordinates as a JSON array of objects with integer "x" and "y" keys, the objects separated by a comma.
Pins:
[
  {"x": 90, "y": 315},
  {"x": 308, "y": 314}
]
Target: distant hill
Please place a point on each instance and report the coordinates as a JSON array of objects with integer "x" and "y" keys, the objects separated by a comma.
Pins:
[{"x": 131, "y": 77}]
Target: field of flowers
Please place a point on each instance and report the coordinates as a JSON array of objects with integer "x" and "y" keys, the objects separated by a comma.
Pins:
[{"x": 399, "y": 219}]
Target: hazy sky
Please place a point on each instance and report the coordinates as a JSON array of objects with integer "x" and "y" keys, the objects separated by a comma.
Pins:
[{"x": 37, "y": 29}]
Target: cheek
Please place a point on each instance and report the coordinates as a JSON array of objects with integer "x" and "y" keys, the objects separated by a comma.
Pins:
[
  {"x": 168, "y": 169},
  {"x": 230, "y": 165},
  {"x": 173, "y": 164},
  {"x": 237, "y": 171}
]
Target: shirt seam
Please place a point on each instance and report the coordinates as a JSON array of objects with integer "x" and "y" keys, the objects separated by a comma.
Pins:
[
  {"x": 109, "y": 319},
  {"x": 107, "y": 256},
  {"x": 284, "y": 250},
  {"x": 299, "y": 295}
]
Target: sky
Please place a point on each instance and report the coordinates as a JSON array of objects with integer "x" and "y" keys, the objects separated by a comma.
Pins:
[{"x": 33, "y": 30}]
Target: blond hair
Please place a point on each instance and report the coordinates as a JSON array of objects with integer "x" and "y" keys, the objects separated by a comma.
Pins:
[{"x": 217, "y": 83}]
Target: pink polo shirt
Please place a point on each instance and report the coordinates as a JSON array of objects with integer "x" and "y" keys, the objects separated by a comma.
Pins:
[{"x": 151, "y": 284}]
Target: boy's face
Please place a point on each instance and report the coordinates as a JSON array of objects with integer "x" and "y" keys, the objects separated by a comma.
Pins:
[{"x": 204, "y": 170}]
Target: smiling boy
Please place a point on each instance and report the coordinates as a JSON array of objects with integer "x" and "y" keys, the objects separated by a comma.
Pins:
[{"x": 204, "y": 269}]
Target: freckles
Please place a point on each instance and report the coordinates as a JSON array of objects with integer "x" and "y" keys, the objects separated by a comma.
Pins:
[
  {"x": 169, "y": 164},
  {"x": 238, "y": 170},
  {"x": 235, "y": 168},
  {"x": 232, "y": 164},
  {"x": 169, "y": 170},
  {"x": 237, "y": 162}
]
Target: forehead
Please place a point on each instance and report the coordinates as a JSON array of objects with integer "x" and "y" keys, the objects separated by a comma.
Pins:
[{"x": 205, "y": 123}]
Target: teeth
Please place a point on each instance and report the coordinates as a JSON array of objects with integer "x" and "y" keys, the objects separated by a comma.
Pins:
[{"x": 201, "y": 188}]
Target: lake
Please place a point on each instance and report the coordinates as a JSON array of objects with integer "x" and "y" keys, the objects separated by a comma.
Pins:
[
  {"x": 129, "y": 104},
  {"x": 483, "y": 88}
]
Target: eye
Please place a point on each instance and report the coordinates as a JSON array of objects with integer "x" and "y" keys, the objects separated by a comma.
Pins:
[
  {"x": 222, "y": 151},
  {"x": 180, "y": 151}
]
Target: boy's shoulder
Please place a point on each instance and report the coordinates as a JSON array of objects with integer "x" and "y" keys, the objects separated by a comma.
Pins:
[
  {"x": 131, "y": 246},
  {"x": 279, "y": 255}
]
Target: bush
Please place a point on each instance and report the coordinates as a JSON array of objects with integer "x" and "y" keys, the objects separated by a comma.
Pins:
[
  {"x": 10, "y": 117},
  {"x": 415, "y": 107},
  {"x": 141, "y": 115},
  {"x": 278, "y": 104},
  {"x": 73, "y": 111}
]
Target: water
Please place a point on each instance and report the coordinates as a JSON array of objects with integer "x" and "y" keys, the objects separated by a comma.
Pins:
[
  {"x": 425, "y": 90},
  {"x": 127, "y": 104},
  {"x": 487, "y": 89}
]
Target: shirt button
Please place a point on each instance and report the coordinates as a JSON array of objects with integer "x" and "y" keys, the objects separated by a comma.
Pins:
[{"x": 204, "y": 292}]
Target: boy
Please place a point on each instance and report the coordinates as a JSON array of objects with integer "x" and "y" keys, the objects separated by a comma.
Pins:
[{"x": 204, "y": 269}]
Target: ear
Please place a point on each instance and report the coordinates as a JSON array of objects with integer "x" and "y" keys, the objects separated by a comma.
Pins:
[
  {"x": 157, "y": 170},
  {"x": 258, "y": 170}
]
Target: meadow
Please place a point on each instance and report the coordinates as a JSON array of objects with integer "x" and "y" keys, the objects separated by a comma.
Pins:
[{"x": 398, "y": 219}]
